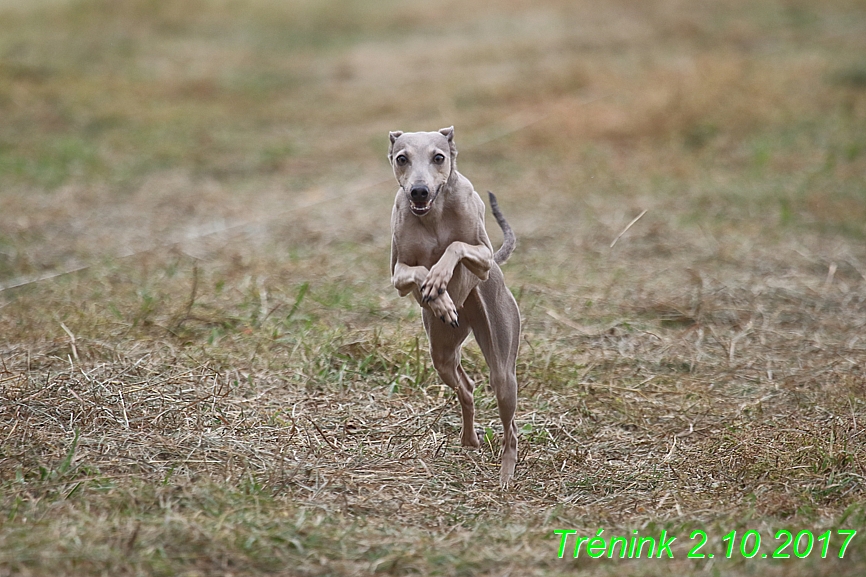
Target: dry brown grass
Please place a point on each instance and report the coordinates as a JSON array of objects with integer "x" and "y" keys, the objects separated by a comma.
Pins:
[{"x": 228, "y": 385}]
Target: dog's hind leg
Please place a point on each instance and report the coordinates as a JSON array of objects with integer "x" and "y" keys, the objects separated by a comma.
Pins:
[
  {"x": 446, "y": 342},
  {"x": 492, "y": 313}
]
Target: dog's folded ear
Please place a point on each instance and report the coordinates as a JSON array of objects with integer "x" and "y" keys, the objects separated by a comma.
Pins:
[
  {"x": 449, "y": 134},
  {"x": 393, "y": 136}
]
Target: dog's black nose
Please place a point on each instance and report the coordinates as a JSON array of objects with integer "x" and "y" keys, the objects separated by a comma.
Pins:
[{"x": 419, "y": 192}]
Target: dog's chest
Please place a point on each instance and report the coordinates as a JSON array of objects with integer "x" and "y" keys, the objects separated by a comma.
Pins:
[
  {"x": 431, "y": 246},
  {"x": 430, "y": 250}
]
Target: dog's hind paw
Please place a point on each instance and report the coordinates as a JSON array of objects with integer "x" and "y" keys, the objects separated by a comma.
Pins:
[{"x": 472, "y": 438}]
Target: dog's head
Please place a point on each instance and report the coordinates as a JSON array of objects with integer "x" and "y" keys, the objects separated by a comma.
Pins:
[{"x": 423, "y": 163}]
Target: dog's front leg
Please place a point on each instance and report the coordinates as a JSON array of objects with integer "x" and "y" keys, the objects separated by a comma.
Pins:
[
  {"x": 408, "y": 278},
  {"x": 476, "y": 258},
  {"x": 445, "y": 309}
]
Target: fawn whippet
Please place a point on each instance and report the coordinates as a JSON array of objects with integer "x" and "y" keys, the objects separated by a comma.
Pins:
[{"x": 440, "y": 252}]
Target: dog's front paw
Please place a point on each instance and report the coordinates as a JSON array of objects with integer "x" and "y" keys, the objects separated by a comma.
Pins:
[
  {"x": 444, "y": 309},
  {"x": 436, "y": 282}
]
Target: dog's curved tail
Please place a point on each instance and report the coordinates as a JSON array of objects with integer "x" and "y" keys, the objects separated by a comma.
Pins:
[{"x": 509, "y": 241}]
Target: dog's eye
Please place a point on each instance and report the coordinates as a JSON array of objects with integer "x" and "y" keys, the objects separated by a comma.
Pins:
[
  {"x": 439, "y": 159},
  {"x": 402, "y": 160}
]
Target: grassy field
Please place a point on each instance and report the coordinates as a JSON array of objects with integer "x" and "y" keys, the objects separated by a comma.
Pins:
[{"x": 205, "y": 371}]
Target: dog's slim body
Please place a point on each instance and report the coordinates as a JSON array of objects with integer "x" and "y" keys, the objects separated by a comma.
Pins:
[{"x": 440, "y": 252}]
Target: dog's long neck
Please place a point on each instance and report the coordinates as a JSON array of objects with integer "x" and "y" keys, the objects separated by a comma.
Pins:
[
  {"x": 453, "y": 178},
  {"x": 453, "y": 189}
]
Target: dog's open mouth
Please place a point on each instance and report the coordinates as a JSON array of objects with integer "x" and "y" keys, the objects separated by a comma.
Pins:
[{"x": 420, "y": 209}]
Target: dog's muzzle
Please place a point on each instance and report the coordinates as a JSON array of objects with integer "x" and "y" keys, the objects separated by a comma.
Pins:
[{"x": 419, "y": 199}]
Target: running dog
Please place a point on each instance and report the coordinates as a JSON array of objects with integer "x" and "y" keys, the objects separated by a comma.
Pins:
[{"x": 440, "y": 252}]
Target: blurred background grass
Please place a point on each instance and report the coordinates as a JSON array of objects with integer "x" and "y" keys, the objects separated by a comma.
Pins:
[
  {"x": 730, "y": 110},
  {"x": 216, "y": 169}
]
